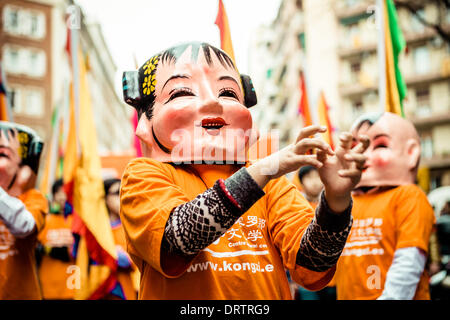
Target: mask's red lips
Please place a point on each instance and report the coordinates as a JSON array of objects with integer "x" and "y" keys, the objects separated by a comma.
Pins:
[{"x": 213, "y": 123}]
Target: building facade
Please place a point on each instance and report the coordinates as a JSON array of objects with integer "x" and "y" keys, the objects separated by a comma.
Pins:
[
  {"x": 339, "y": 57},
  {"x": 26, "y": 55},
  {"x": 33, "y": 40}
]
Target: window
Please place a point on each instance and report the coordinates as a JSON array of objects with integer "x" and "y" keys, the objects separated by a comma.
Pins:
[
  {"x": 282, "y": 73},
  {"x": 423, "y": 102},
  {"x": 357, "y": 109},
  {"x": 26, "y": 61},
  {"x": 15, "y": 98},
  {"x": 35, "y": 102},
  {"x": 36, "y": 63},
  {"x": 11, "y": 19},
  {"x": 426, "y": 144},
  {"x": 284, "y": 105},
  {"x": 416, "y": 25},
  {"x": 28, "y": 101},
  {"x": 37, "y": 25},
  {"x": 11, "y": 59},
  {"x": 24, "y": 22},
  {"x": 301, "y": 40},
  {"x": 422, "y": 60},
  {"x": 355, "y": 69}
]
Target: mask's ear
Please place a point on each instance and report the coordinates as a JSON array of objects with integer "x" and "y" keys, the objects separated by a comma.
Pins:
[
  {"x": 413, "y": 151},
  {"x": 249, "y": 91},
  {"x": 130, "y": 86}
]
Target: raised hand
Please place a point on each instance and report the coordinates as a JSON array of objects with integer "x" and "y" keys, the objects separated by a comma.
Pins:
[
  {"x": 341, "y": 172},
  {"x": 291, "y": 157}
]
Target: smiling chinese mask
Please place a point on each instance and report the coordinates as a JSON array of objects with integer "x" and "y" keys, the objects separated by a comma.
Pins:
[
  {"x": 19, "y": 145},
  {"x": 192, "y": 105},
  {"x": 394, "y": 152}
]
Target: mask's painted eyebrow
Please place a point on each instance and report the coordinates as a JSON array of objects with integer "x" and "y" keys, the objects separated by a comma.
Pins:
[
  {"x": 228, "y": 78},
  {"x": 381, "y": 135},
  {"x": 175, "y": 76}
]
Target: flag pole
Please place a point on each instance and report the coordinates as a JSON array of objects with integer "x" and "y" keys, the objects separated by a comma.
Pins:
[
  {"x": 76, "y": 81},
  {"x": 381, "y": 50}
]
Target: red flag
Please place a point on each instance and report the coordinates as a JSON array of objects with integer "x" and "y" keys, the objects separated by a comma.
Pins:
[
  {"x": 303, "y": 107},
  {"x": 136, "y": 142}
]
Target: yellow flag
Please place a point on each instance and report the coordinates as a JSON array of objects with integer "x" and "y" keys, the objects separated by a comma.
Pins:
[{"x": 84, "y": 183}]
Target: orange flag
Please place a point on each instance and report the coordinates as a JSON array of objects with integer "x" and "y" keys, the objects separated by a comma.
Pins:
[
  {"x": 303, "y": 107},
  {"x": 95, "y": 250},
  {"x": 324, "y": 120},
  {"x": 225, "y": 34}
]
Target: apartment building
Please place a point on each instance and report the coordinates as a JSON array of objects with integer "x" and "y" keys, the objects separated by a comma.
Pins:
[
  {"x": 337, "y": 49},
  {"x": 33, "y": 40}
]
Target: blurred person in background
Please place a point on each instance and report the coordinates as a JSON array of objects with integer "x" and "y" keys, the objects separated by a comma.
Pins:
[
  {"x": 127, "y": 276},
  {"x": 311, "y": 184},
  {"x": 22, "y": 212},
  {"x": 386, "y": 251},
  {"x": 440, "y": 262},
  {"x": 55, "y": 243}
]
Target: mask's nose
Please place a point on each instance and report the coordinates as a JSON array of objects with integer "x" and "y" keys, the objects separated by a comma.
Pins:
[{"x": 209, "y": 102}]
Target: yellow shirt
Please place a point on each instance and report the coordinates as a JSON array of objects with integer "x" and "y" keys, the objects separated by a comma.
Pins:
[
  {"x": 247, "y": 262},
  {"x": 382, "y": 223},
  {"x": 18, "y": 274}
]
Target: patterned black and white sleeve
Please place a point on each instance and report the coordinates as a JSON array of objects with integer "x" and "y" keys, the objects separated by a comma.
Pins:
[
  {"x": 194, "y": 225},
  {"x": 325, "y": 237}
]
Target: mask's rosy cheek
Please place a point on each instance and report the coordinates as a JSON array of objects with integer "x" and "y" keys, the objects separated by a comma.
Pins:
[
  {"x": 242, "y": 118},
  {"x": 382, "y": 158}
]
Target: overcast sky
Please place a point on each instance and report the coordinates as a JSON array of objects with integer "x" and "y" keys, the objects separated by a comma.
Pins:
[{"x": 144, "y": 27}]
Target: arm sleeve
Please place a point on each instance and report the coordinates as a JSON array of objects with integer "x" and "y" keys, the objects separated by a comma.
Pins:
[
  {"x": 19, "y": 221},
  {"x": 289, "y": 216},
  {"x": 404, "y": 274},
  {"x": 325, "y": 237}
]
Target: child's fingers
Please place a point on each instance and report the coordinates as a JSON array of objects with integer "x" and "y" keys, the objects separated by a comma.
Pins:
[
  {"x": 349, "y": 173},
  {"x": 303, "y": 160},
  {"x": 363, "y": 144},
  {"x": 321, "y": 156},
  {"x": 346, "y": 140},
  {"x": 358, "y": 158},
  {"x": 309, "y": 131},
  {"x": 310, "y": 143}
]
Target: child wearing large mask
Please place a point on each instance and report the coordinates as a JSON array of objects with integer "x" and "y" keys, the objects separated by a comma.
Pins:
[
  {"x": 201, "y": 220},
  {"x": 386, "y": 251}
]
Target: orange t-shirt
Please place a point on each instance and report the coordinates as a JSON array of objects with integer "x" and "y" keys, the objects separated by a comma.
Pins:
[
  {"x": 53, "y": 272},
  {"x": 383, "y": 222},
  {"x": 18, "y": 274},
  {"x": 247, "y": 262},
  {"x": 125, "y": 277}
]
